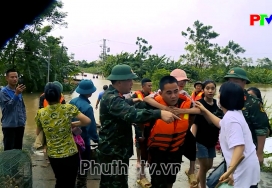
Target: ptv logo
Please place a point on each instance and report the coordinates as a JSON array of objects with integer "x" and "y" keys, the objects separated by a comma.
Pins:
[{"x": 261, "y": 18}]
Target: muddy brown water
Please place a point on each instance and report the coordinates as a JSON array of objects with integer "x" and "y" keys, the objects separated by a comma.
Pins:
[{"x": 32, "y": 101}]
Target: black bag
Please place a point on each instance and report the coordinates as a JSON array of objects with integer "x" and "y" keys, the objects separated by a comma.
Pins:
[{"x": 214, "y": 176}]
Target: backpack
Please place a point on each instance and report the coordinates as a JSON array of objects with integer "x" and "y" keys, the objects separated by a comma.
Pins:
[{"x": 213, "y": 178}]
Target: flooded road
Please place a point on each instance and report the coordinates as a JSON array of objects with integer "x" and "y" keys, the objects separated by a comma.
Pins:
[{"x": 32, "y": 101}]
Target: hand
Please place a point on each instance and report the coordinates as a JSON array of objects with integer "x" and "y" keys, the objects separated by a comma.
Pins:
[
  {"x": 19, "y": 89},
  {"x": 75, "y": 124},
  {"x": 96, "y": 107},
  {"x": 225, "y": 178},
  {"x": 174, "y": 110},
  {"x": 135, "y": 100},
  {"x": 200, "y": 106},
  {"x": 168, "y": 117}
]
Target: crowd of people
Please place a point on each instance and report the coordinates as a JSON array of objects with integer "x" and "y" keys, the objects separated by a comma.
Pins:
[
  {"x": 169, "y": 124},
  {"x": 236, "y": 118}
]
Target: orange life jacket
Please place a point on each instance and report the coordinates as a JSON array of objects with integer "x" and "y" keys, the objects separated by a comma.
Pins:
[
  {"x": 140, "y": 95},
  {"x": 172, "y": 135},
  {"x": 45, "y": 102},
  {"x": 198, "y": 96}
]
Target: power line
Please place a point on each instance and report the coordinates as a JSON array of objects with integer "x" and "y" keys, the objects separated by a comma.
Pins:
[{"x": 84, "y": 44}]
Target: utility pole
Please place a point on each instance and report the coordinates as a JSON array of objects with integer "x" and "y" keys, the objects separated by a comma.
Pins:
[
  {"x": 105, "y": 49},
  {"x": 48, "y": 66}
]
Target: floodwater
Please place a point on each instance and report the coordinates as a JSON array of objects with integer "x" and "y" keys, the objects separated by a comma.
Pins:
[{"x": 32, "y": 101}]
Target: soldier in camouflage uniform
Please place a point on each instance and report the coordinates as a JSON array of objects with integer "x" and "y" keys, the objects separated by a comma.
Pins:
[
  {"x": 254, "y": 114},
  {"x": 116, "y": 116}
]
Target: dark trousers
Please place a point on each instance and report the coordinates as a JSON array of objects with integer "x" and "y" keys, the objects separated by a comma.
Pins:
[
  {"x": 114, "y": 172},
  {"x": 85, "y": 155},
  {"x": 13, "y": 137},
  {"x": 65, "y": 170},
  {"x": 164, "y": 167}
]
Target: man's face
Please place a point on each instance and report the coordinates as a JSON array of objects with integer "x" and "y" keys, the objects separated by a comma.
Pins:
[
  {"x": 182, "y": 84},
  {"x": 238, "y": 81},
  {"x": 147, "y": 87},
  {"x": 198, "y": 87},
  {"x": 126, "y": 86},
  {"x": 170, "y": 94},
  {"x": 12, "y": 78}
]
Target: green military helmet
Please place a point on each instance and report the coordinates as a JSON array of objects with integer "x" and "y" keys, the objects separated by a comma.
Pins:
[
  {"x": 122, "y": 72},
  {"x": 237, "y": 72}
]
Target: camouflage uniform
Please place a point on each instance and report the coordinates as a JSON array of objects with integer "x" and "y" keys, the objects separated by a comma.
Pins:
[
  {"x": 116, "y": 116},
  {"x": 254, "y": 114}
]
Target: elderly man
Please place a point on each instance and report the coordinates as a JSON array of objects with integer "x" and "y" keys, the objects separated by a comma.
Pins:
[{"x": 116, "y": 116}]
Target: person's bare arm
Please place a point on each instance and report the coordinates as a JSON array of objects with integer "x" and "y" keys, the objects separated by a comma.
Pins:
[
  {"x": 83, "y": 121},
  {"x": 175, "y": 110},
  {"x": 194, "y": 129},
  {"x": 38, "y": 130},
  {"x": 149, "y": 100},
  {"x": 97, "y": 103},
  {"x": 179, "y": 111},
  {"x": 236, "y": 155}
]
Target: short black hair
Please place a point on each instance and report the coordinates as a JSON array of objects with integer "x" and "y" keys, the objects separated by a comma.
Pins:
[
  {"x": 10, "y": 70},
  {"x": 144, "y": 80},
  {"x": 167, "y": 80},
  {"x": 52, "y": 93},
  {"x": 206, "y": 82},
  {"x": 231, "y": 96},
  {"x": 105, "y": 87},
  {"x": 257, "y": 93}
]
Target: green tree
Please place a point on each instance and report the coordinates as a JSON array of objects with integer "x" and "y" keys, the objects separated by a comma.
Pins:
[{"x": 200, "y": 51}]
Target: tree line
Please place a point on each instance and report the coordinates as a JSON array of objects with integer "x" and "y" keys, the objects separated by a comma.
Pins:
[
  {"x": 202, "y": 60},
  {"x": 33, "y": 51}
]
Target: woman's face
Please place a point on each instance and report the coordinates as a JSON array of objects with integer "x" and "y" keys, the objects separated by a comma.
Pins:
[
  {"x": 182, "y": 84},
  {"x": 251, "y": 93},
  {"x": 209, "y": 90}
]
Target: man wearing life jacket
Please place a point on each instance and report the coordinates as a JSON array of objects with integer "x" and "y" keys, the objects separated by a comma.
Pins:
[
  {"x": 116, "y": 116},
  {"x": 166, "y": 141},
  {"x": 182, "y": 79},
  {"x": 43, "y": 102},
  {"x": 198, "y": 92},
  {"x": 141, "y": 94}
]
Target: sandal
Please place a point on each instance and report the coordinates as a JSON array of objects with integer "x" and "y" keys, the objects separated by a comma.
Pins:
[
  {"x": 144, "y": 183},
  {"x": 191, "y": 179}
]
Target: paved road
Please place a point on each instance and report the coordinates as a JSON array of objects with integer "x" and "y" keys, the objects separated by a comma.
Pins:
[{"x": 43, "y": 176}]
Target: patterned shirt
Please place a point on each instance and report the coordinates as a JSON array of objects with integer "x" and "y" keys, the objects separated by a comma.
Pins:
[{"x": 55, "y": 120}]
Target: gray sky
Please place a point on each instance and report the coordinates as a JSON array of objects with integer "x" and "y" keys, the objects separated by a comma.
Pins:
[{"x": 160, "y": 22}]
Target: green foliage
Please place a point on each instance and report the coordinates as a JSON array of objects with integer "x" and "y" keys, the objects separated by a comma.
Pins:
[
  {"x": 203, "y": 59},
  {"x": 156, "y": 76}
]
